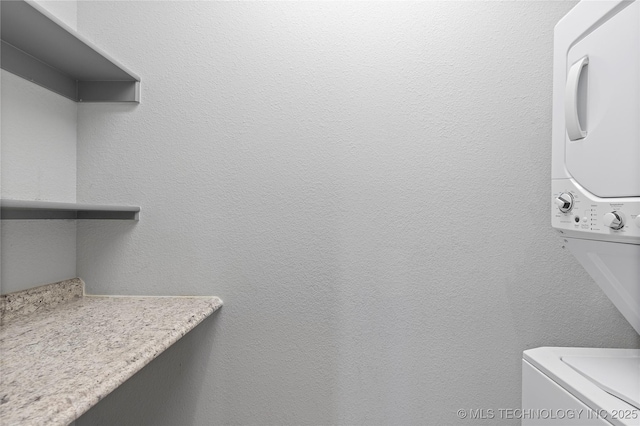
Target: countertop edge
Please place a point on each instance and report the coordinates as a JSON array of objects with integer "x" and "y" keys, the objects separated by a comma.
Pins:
[
  {"x": 46, "y": 306},
  {"x": 144, "y": 358}
]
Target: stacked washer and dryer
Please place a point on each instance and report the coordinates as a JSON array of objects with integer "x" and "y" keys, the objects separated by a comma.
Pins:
[{"x": 596, "y": 210}]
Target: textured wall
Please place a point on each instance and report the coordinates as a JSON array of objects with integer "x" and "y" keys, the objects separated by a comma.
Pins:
[
  {"x": 65, "y": 10},
  {"x": 366, "y": 185},
  {"x": 38, "y": 162}
]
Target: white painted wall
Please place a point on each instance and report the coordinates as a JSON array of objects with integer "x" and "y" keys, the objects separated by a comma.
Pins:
[
  {"x": 65, "y": 10},
  {"x": 38, "y": 162},
  {"x": 366, "y": 185}
]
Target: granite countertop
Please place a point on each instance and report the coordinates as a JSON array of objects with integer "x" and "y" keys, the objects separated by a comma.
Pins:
[{"x": 62, "y": 351}]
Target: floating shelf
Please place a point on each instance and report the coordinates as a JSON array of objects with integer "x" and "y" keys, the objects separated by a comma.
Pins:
[
  {"x": 40, "y": 48},
  {"x": 22, "y": 209}
]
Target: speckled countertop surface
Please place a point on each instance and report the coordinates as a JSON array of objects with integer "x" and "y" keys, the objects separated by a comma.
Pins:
[{"x": 61, "y": 352}]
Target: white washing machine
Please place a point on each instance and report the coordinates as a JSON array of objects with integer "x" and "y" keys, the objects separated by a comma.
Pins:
[
  {"x": 581, "y": 387},
  {"x": 596, "y": 203}
]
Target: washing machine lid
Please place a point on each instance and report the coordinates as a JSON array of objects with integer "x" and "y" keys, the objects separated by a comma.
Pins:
[
  {"x": 619, "y": 376},
  {"x": 549, "y": 360},
  {"x": 602, "y": 104}
]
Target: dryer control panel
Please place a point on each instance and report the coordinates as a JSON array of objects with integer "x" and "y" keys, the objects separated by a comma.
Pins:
[{"x": 577, "y": 213}]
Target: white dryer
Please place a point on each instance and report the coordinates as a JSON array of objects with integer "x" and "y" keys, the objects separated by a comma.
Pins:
[
  {"x": 596, "y": 145},
  {"x": 595, "y": 188}
]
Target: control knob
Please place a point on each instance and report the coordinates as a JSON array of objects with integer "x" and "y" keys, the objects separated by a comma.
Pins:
[
  {"x": 613, "y": 220},
  {"x": 564, "y": 202}
]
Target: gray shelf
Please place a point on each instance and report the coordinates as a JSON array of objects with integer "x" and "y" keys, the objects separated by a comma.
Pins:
[
  {"x": 40, "y": 48},
  {"x": 23, "y": 209}
]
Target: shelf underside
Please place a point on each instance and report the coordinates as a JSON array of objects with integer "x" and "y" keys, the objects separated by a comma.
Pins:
[
  {"x": 40, "y": 48},
  {"x": 23, "y": 209}
]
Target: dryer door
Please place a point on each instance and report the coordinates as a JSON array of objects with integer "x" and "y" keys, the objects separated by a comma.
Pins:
[{"x": 602, "y": 107}]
